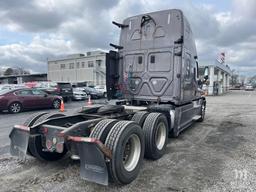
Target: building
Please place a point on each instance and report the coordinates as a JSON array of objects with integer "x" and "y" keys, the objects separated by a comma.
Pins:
[
  {"x": 76, "y": 68},
  {"x": 219, "y": 75},
  {"x": 19, "y": 79}
]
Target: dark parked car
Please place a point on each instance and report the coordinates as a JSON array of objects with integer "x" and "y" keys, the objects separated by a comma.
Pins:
[
  {"x": 62, "y": 89},
  {"x": 95, "y": 94},
  {"x": 18, "y": 100}
]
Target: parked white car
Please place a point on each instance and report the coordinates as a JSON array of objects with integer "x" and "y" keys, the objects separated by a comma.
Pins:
[{"x": 102, "y": 88}]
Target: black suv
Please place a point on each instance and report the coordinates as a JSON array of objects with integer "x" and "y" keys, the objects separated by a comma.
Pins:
[{"x": 61, "y": 89}]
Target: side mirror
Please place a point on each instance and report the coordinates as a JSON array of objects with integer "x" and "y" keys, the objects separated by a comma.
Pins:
[{"x": 45, "y": 95}]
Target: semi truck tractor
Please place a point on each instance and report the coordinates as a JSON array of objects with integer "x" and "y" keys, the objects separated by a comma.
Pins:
[{"x": 153, "y": 92}]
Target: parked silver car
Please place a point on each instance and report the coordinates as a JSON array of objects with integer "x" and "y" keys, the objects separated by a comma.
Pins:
[
  {"x": 249, "y": 88},
  {"x": 79, "y": 94}
]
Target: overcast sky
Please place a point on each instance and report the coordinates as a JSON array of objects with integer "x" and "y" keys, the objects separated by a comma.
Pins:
[{"x": 32, "y": 31}]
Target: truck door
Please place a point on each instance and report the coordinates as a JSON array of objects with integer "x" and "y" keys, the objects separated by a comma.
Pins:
[{"x": 188, "y": 77}]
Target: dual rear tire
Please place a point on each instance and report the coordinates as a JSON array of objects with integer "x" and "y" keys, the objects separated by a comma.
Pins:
[
  {"x": 155, "y": 128},
  {"x": 129, "y": 142},
  {"x": 126, "y": 141}
]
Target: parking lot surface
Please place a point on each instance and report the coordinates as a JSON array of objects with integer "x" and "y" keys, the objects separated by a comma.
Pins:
[{"x": 215, "y": 155}]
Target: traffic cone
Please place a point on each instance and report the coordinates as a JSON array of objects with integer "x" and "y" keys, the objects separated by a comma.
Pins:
[
  {"x": 62, "y": 107},
  {"x": 89, "y": 100}
]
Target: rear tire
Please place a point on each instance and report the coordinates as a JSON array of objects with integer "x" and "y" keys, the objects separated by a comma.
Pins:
[
  {"x": 15, "y": 107},
  {"x": 156, "y": 135},
  {"x": 56, "y": 103},
  {"x": 102, "y": 129},
  {"x": 35, "y": 143},
  {"x": 140, "y": 117},
  {"x": 126, "y": 141},
  {"x": 30, "y": 122},
  {"x": 203, "y": 107}
]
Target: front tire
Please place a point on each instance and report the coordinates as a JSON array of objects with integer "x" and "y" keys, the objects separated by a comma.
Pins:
[
  {"x": 15, "y": 107},
  {"x": 126, "y": 141}
]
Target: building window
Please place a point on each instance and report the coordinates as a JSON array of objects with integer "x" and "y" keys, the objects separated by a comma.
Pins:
[
  {"x": 98, "y": 63},
  {"x": 71, "y": 65},
  {"x": 77, "y": 65},
  {"x": 62, "y": 66},
  {"x": 90, "y": 63},
  {"x": 83, "y": 65}
]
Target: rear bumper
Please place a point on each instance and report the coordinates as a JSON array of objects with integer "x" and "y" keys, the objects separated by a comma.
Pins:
[{"x": 76, "y": 97}]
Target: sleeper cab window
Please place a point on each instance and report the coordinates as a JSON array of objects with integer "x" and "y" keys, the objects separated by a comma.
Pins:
[
  {"x": 152, "y": 59},
  {"x": 139, "y": 59}
]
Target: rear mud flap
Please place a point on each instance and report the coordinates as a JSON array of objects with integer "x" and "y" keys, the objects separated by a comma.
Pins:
[
  {"x": 19, "y": 142},
  {"x": 92, "y": 163}
]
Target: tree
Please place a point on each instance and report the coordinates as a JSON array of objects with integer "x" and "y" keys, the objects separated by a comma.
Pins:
[{"x": 9, "y": 71}]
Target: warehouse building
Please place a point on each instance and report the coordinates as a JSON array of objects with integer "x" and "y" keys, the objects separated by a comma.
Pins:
[
  {"x": 24, "y": 78},
  {"x": 79, "y": 68}
]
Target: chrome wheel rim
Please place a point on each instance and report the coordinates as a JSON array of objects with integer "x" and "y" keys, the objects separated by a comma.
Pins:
[
  {"x": 132, "y": 152},
  {"x": 160, "y": 135}
]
